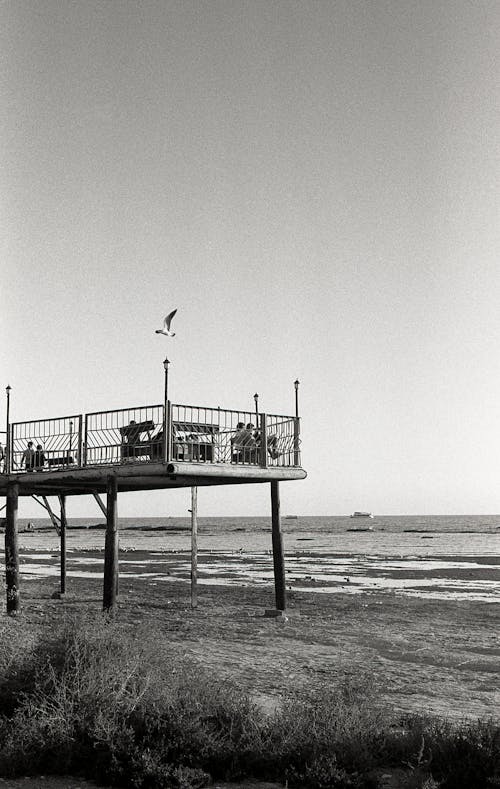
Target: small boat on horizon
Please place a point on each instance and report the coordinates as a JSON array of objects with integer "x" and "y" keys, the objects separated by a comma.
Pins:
[
  {"x": 291, "y": 517},
  {"x": 360, "y": 514}
]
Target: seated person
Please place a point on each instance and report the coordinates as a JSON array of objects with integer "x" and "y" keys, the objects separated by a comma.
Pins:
[
  {"x": 236, "y": 445},
  {"x": 272, "y": 446},
  {"x": 248, "y": 444},
  {"x": 132, "y": 445},
  {"x": 39, "y": 459},
  {"x": 131, "y": 432}
]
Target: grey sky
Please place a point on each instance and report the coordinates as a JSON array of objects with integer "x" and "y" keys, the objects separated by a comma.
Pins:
[{"x": 314, "y": 185}]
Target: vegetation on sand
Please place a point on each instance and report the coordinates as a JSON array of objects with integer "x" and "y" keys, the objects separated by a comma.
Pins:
[{"x": 123, "y": 708}]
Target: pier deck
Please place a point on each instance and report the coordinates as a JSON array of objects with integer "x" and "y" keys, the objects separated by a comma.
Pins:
[{"x": 135, "y": 477}]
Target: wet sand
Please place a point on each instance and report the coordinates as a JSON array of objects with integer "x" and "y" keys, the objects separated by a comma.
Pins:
[{"x": 431, "y": 655}]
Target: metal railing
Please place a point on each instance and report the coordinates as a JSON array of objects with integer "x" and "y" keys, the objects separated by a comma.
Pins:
[
  {"x": 197, "y": 434},
  {"x": 283, "y": 440},
  {"x": 46, "y": 443},
  {"x": 129, "y": 435},
  {"x": 218, "y": 435},
  {"x": 209, "y": 435}
]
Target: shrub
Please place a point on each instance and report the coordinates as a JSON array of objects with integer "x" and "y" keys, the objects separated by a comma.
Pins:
[
  {"x": 460, "y": 755},
  {"x": 95, "y": 699},
  {"x": 326, "y": 738},
  {"x": 131, "y": 711}
]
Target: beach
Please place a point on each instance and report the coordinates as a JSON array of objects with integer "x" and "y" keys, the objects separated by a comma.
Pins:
[{"x": 420, "y": 620}]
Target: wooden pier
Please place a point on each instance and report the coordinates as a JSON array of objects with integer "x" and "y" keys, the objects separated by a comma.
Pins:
[{"x": 139, "y": 449}]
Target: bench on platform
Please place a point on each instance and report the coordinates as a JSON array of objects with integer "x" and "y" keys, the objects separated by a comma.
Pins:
[
  {"x": 62, "y": 460},
  {"x": 134, "y": 445},
  {"x": 194, "y": 441}
]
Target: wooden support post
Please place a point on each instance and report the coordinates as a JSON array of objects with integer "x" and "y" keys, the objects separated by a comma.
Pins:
[
  {"x": 194, "y": 547},
  {"x": 12, "y": 551},
  {"x": 111, "y": 547},
  {"x": 62, "y": 502},
  {"x": 278, "y": 555}
]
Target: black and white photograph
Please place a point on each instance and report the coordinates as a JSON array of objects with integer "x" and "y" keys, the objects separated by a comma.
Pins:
[{"x": 250, "y": 394}]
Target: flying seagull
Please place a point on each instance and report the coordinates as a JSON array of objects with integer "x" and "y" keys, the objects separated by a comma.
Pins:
[{"x": 166, "y": 325}]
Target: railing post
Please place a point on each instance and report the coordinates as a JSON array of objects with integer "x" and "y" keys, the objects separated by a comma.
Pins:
[
  {"x": 8, "y": 447},
  {"x": 169, "y": 431},
  {"x": 263, "y": 440},
  {"x": 10, "y": 450},
  {"x": 85, "y": 441},
  {"x": 80, "y": 440},
  {"x": 296, "y": 441}
]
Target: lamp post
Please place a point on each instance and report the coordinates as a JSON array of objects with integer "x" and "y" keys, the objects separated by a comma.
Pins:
[
  {"x": 7, "y": 442},
  {"x": 296, "y": 427},
  {"x": 256, "y": 399},
  {"x": 166, "y": 415}
]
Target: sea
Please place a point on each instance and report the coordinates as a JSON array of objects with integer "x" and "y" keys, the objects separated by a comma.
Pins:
[{"x": 438, "y": 557}]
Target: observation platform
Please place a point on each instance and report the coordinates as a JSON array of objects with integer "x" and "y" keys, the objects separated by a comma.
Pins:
[
  {"x": 150, "y": 448},
  {"x": 143, "y": 448}
]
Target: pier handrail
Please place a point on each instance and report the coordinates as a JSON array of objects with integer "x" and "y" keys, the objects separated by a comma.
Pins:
[{"x": 197, "y": 434}]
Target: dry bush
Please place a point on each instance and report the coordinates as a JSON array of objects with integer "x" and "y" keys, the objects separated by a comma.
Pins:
[{"x": 123, "y": 707}]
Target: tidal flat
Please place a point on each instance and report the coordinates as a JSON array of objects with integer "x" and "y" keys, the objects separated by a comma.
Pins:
[{"x": 425, "y": 653}]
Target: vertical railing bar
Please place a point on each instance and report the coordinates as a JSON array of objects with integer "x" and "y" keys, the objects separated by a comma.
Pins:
[
  {"x": 79, "y": 450},
  {"x": 263, "y": 440},
  {"x": 168, "y": 446},
  {"x": 86, "y": 443}
]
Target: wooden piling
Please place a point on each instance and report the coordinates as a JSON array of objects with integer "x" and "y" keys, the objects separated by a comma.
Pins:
[
  {"x": 194, "y": 547},
  {"x": 12, "y": 551},
  {"x": 278, "y": 554},
  {"x": 62, "y": 534},
  {"x": 111, "y": 547}
]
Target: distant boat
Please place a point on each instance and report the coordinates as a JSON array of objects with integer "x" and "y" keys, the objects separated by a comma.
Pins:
[
  {"x": 291, "y": 517},
  {"x": 359, "y": 514}
]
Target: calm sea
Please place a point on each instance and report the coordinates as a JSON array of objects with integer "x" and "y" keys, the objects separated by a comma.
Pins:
[
  {"x": 325, "y": 524},
  {"x": 441, "y": 557}
]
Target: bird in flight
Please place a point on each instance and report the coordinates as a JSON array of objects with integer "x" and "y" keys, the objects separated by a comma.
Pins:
[{"x": 166, "y": 325}]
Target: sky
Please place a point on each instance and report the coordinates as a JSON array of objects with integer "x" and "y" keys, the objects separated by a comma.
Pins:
[{"x": 315, "y": 186}]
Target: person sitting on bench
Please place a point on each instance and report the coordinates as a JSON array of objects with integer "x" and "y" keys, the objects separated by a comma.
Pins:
[
  {"x": 39, "y": 460},
  {"x": 132, "y": 446}
]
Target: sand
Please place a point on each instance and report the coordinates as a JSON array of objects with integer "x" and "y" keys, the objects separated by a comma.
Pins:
[{"x": 423, "y": 654}]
